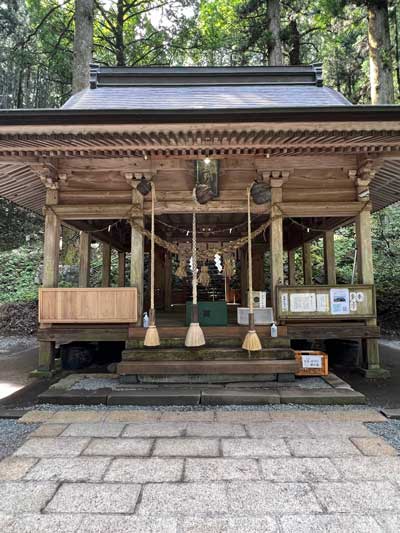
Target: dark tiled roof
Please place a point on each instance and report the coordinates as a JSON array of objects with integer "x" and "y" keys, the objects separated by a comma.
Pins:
[
  {"x": 201, "y": 97},
  {"x": 205, "y": 88}
]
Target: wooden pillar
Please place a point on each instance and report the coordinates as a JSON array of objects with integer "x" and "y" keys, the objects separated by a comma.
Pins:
[
  {"x": 365, "y": 266},
  {"x": 276, "y": 240},
  {"x": 121, "y": 269},
  {"x": 51, "y": 250},
  {"x": 329, "y": 257},
  {"x": 307, "y": 264},
  {"x": 364, "y": 248},
  {"x": 292, "y": 266},
  {"x": 244, "y": 277},
  {"x": 137, "y": 253},
  {"x": 51, "y": 253},
  {"x": 84, "y": 258},
  {"x": 167, "y": 280},
  {"x": 366, "y": 275},
  {"x": 106, "y": 265}
]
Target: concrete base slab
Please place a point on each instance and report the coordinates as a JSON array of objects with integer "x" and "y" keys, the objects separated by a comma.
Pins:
[
  {"x": 155, "y": 397},
  {"x": 239, "y": 397},
  {"x": 322, "y": 396},
  {"x": 74, "y": 397}
]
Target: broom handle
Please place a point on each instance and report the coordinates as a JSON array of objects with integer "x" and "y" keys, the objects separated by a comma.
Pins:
[
  {"x": 251, "y": 310},
  {"x": 153, "y": 194}
]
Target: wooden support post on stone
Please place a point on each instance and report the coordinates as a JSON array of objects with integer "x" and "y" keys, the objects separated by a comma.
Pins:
[
  {"x": 307, "y": 263},
  {"x": 329, "y": 258},
  {"x": 365, "y": 262},
  {"x": 106, "y": 265},
  {"x": 292, "y": 266},
  {"x": 121, "y": 269},
  {"x": 51, "y": 256},
  {"x": 137, "y": 247},
  {"x": 84, "y": 258}
]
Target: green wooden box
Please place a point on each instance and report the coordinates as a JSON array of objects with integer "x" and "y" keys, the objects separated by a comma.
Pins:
[{"x": 210, "y": 313}]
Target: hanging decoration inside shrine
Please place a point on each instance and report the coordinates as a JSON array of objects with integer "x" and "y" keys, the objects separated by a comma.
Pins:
[
  {"x": 181, "y": 271},
  {"x": 229, "y": 265},
  {"x": 204, "y": 276}
]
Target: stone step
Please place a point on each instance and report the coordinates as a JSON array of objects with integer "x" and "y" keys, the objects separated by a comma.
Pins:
[
  {"x": 204, "y": 354},
  {"x": 244, "y": 366},
  {"x": 231, "y": 341}
]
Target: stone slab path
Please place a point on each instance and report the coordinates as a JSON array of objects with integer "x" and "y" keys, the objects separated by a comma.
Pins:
[{"x": 201, "y": 472}]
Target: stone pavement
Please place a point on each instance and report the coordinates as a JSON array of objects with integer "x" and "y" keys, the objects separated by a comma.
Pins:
[{"x": 201, "y": 472}]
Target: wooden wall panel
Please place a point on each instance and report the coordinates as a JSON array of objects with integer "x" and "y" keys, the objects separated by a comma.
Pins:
[{"x": 88, "y": 305}]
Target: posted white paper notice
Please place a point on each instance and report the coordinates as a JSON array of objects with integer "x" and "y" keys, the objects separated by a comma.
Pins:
[
  {"x": 322, "y": 303},
  {"x": 303, "y": 302},
  {"x": 340, "y": 301},
  {"x": 311, "y": 361}
]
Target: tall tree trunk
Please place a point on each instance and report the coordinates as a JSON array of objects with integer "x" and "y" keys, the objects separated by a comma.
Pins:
[
  {"x": 294, "y": 39},
  {"x": 83, "y": 42},
  {"x": 119, "y": 35},
  {"x": 275, "y": 56},
  {"x": 380, "y": 64}
]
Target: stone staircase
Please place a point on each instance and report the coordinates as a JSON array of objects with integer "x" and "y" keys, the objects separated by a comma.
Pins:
[{"x": 221, "y": 359}]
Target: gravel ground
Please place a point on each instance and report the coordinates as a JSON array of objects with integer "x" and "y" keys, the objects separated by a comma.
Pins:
[
  {"x": 389, "y": 430},
  {"x": 12, "y": 435},
  {"x": 15, "y": 343}
]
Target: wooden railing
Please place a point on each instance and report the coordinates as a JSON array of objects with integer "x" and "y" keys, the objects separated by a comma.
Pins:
[
  {"x": 333, "y": 302},
  {"x": 88, "y": 305}
]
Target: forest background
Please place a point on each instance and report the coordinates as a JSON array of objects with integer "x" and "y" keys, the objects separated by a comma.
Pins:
[{"x": 47, "y": 45}]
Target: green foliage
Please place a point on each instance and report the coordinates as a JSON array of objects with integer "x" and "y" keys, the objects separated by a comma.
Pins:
[
  {"x": 18, "y": 226},
  {"x": 19, "y": 271}
]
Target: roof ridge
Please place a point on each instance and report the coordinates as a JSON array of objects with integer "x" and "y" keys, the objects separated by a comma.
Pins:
[{"x": 204, "y": 75}]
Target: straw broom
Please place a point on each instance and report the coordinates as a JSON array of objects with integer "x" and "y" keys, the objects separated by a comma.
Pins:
[
  {"x": 194, "y": 335},
  {"x": 152, "y": 338},
  {"x": 251, "y": 341}
]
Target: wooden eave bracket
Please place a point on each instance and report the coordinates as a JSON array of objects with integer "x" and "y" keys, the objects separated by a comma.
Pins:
[
  {"x": 133, "y": 178},
  {"x": 362, "y": 177},
  {"x": 49, "y": 176},
  {"x": 275, "y": 178}
]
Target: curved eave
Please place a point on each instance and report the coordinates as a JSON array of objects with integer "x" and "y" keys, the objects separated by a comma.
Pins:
[{"x": 331, "y": 114}]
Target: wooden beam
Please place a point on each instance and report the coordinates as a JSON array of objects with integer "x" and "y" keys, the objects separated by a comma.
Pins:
[
  {"x": 93, "y": 212},
  {"x": 106, "y": 265},
  {"x": 125, "y": 211},
  {"x": 307, "y": 263},
  {"x": 121, "y": 269},
  {"x": 292, "y": 266},
  {"x": 84, "y": 258},
  {"x": 329, "y": 258},
  {"x": 320, "y": 209}
]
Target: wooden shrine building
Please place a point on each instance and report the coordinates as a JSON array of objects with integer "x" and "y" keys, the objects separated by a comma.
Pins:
[{"x": 324, "y": 162}]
